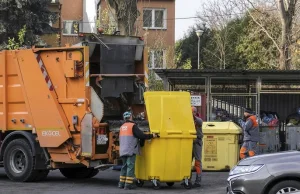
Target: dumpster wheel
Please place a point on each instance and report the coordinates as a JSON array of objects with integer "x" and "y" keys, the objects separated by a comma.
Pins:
[
  {"x": 155, "y": 184},
  {"x": 139, "y": 183},
  {"x": 170, "y": 184},
  {"x": 188, "y": 185}
]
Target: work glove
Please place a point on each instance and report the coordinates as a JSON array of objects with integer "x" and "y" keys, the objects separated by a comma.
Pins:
[{"x": 155, "y": 135}]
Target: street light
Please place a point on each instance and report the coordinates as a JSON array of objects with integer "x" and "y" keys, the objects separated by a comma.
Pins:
[{"x": 199, "y": 33}]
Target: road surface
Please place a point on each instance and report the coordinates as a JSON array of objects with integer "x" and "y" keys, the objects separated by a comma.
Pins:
[{"x": 105, "y": 182}]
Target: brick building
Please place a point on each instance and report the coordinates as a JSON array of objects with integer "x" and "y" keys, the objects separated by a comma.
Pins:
[{"x": 155, "y": 23}]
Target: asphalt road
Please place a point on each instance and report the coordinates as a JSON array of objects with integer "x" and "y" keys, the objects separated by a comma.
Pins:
[{"x": 105, "y": 182}]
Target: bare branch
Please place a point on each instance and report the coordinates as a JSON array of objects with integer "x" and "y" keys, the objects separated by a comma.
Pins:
[
  {"x": 264, "y": 30},
  {"x": 213, "y": 54}
]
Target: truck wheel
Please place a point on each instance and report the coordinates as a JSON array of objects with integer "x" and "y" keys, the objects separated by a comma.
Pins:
[
  {"x": 93, "y": 173},
  {"x": 19, "y": 162},
  {"x": 79, "y": 173}
]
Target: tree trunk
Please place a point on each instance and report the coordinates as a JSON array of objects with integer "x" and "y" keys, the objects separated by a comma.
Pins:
[
  {"x": 287, "y": 12},
  {"x": 126, "y": 14}
]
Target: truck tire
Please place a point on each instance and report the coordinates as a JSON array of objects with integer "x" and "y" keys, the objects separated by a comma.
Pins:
[
  {"x": 19, "y": 161},
  {"x": 79, "y": 173},
  {"x": 93, "y": 173}
]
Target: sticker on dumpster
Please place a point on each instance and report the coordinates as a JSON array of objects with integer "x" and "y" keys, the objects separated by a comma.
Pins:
[
  {"x": 221, "y": 138},
  {"x": 210, "y": 147}
]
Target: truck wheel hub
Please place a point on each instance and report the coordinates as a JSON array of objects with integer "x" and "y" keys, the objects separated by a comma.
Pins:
[{"x": 17, "y": 161}]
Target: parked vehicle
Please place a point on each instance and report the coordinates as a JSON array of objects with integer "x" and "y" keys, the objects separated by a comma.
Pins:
[
  {"x": 275, "y": 173},
  {"x": 61, "y": 108}
]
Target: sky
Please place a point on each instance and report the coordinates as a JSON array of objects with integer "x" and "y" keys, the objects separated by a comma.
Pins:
[{"x": 185, "y": 8}]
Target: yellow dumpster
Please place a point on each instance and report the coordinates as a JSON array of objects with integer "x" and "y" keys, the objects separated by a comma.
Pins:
[
  {"x": 168, "y": 158},
  {"x": 220, "y": 145}
]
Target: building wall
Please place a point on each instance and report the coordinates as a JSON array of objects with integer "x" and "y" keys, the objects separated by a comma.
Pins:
[
  {"x": 155, "y": 39},
  {"x": 71, "y": 10},
  {"x": 161, "y": 40},
  {"x": 168, "y": 34}
]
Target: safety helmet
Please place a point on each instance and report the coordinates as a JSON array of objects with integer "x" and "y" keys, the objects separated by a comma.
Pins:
[{"x": 127, "y": 115}]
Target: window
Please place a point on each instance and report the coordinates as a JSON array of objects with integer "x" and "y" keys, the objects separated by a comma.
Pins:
[
  {"x": 157, "y": 60},
  {"x": 154, "y": 18},
  {"x": 51, "y": 18},
  {"x": 70, "y": 27}
]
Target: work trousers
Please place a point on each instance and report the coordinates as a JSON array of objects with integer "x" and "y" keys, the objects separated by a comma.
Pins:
[
  {"x": 248, "y": 149},
  {"x": 197, "y": 154},
  {"x": 127, "y": 171}
]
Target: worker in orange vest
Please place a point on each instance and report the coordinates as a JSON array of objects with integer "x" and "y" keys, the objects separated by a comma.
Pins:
[
  {"x": 129, "y": 138},
  {"x": 251, "y": 135}
]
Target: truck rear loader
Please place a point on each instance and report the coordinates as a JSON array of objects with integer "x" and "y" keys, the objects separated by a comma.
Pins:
[{"x": 61, "y": 108}]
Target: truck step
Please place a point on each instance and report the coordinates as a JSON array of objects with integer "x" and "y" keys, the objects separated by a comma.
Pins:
[{"x": 104, "y": 166}]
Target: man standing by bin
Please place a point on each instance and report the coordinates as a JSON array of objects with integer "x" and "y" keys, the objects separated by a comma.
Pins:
[
  {"x": 129, "y": 146},
  {"x": 197, "y": 147},
  {"x": 251, "y": 135}
]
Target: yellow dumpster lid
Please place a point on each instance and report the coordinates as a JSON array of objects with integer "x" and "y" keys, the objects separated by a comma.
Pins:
[
  {"x": 221, "y": 128},
  {"x": 169, "y": 113}
]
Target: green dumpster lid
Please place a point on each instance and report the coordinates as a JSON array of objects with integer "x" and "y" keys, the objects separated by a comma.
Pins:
[
  {"x": 169, "y": 113},
  {"x": 221, "y": 128}
]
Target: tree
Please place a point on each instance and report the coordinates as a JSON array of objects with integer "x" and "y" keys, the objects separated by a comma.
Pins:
[
  {"x": 286, "y": 11},
  {"x": 220, "y": 17},
  {"x": 34, "y": 14},
  {"x": 186, "y": 49},
  {"x": 255, "y": 48},
  {"x": 126, "y": 13},
  {"x": 240, "y": 44},
  {"x": 16, "y": 44}
]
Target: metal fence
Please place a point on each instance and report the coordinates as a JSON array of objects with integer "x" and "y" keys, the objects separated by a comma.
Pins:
[
  {"x": 228, "y": 92},
  {"x": 269, "y": 141}
]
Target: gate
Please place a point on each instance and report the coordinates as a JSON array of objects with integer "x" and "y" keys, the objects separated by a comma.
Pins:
[{"x": 229, "y": 97}]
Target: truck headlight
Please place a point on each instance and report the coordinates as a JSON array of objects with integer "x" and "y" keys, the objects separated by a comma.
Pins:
[{"x": 245, "y": 169}]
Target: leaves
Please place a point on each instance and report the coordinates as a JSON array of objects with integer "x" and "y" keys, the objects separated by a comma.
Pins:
[
  {"x": 32, "y": 13},
  {"x": 240, "y": 44},
  {"x": 13, "y": 44}
]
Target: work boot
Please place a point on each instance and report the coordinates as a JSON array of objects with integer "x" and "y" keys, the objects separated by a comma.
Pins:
[
  {"x": 197, "y": 181},
  {"x": 121, "y": 186},
  {"x": 129, "y": 187}
]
